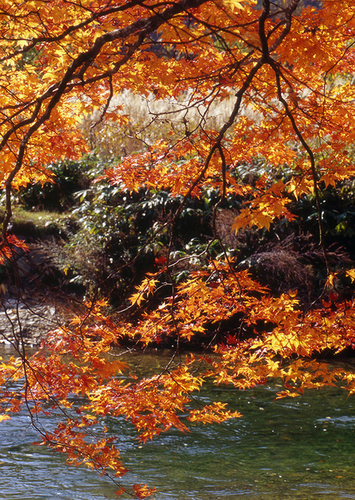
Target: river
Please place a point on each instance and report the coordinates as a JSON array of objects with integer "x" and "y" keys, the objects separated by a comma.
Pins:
[{"x": 301, "y": 448}]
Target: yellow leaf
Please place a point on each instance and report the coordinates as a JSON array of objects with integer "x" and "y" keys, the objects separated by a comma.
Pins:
[
  {"x": 233, "y": 4},
  {"x": 284, "y": 394},
  {"x": 330, "y": 279},
  {"x": 351, "y": 274}
]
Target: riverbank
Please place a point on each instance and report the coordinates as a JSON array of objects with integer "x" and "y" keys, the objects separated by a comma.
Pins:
[{"x": 29, "y": 320}]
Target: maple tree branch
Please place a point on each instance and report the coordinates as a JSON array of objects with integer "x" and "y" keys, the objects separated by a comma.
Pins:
[
  {"x": 222, "y": 132},
  {"x": 278, "y": 75},
  {"x": 288, "y": 20},
  {"x": 217, "y": 143},
  {"x": 262, "y": 35},
  {"x": 142, "y": 26},
  {"x": 71, "y": 29},
  {"x": 107, "y": 104}
]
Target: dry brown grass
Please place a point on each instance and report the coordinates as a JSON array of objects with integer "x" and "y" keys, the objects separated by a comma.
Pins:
[{"x": 148, "y": 120}]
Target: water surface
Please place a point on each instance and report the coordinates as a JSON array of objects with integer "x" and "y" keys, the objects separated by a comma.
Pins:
[{"x": 292, "y": 449}]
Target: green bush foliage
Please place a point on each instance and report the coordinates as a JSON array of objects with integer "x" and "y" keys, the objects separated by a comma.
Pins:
[
  {"x": 68, "y": 178},
  {"x": 114, "y": 237}
]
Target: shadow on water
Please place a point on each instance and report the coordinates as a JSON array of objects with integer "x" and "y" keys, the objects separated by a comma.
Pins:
[{"x": 296, "y": 449}]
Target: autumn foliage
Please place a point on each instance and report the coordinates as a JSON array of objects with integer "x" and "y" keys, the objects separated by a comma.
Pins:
[{"x": 286, "y": 70}]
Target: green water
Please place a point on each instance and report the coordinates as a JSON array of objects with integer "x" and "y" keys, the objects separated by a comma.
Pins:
[
  {"x": 286, "y": 449},
  {"x": 296, "y": 449}
]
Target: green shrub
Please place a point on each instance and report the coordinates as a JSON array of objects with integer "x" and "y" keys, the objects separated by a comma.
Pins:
[
  {"x": 119, "y": 235},
  {"x": 69, "y": 177}
]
